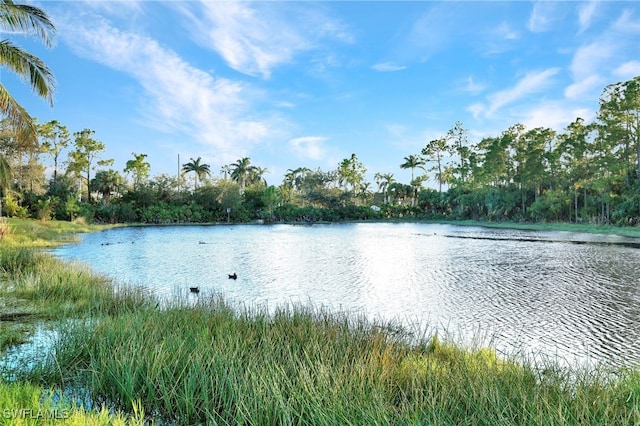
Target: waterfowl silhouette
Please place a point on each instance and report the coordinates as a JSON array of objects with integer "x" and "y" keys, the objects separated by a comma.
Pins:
[
  {"x": 195, "y": 290},
  {"x": 233, "y": 276}
]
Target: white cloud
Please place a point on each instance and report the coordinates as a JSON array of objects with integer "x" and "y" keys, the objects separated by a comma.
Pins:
[
  {"x": 505, "y": 32},
  {"x": 255, "y": 38},
  {"x": 628, "y": 70},
  {"x": 590, "y": 58},
  {"x": 627, "y": 23},
  {"x": 388, "y": 67},
  {"x": 476, "y": 109},
  {"x": 586, "y": 13},
  {"x": 471, "y": 86},
  {"x": 553, "y": 114},
  {"x": 309, "y": 147},
  {"x": 542, "y": 16},
  {"x": 177, "y": 97},
  {"x": 585, "y": 87},
  {"x": 532, "y": 82}
]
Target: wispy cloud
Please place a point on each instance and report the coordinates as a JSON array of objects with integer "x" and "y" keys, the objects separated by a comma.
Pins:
[
  {"x": 255, "y": 38},
  {"x": 471, "y": 86},
  {"x": 388, "y": 67},
  {"x": 586, "y": 13},
  {"x": 542, "y": 16},
  {"x": 309, "y": 147},
  {"x": 589, "y": 58},
  {"x": 506, "y": 32},
  {"x": 627, "y": 23},
  {"x": 177, "y": 97},
  {"x": 531, "y": 83},
  {"x": 553, "y": 114},
  {"x": 628, "y": 70},
  {"x": 499, "y": 39},
  {"x": 595, "y": 63},
  {"x": 584, "y": 88}
]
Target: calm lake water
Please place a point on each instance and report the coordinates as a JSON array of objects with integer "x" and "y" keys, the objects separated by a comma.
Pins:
[{"x": 572, "y": 297}]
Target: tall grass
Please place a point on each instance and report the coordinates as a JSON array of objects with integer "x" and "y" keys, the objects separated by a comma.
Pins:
[
  {"x": 25, "y": 404},
  {"x": 32, "y": 233},
  {"x": 48, "y": 288},
  {"x": 213, "y": 364}
]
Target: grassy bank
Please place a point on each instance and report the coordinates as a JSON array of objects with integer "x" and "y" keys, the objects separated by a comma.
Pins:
[
  {"x": 36, "y": 288},
  {"x": 211, "y": 363},
  {"x": 32, "y": 233},
  {"x": 22, "y": 403},
  {"x": 217, "y": 365}
]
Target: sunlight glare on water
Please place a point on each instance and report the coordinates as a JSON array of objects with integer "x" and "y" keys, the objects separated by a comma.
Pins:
[{"x": 566, "y": 295}]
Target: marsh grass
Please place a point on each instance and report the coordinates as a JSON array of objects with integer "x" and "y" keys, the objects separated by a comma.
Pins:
[
  {"x": 215, "y": 364},
  {"x": 48, "y": 288},
  {"x": 22, "y": 403},
  {"x": 32, "y": 233}
]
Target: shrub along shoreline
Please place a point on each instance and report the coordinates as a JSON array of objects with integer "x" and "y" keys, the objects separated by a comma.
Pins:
[{"x": 210, "y": 363}]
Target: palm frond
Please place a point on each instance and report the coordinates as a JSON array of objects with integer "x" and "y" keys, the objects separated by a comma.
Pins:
[
  {"x": 5, "y": 173},
  {"x": 19, "y": 119},
  {"x": 29, "y": 67},
  {"x": 28, "y": 20}
]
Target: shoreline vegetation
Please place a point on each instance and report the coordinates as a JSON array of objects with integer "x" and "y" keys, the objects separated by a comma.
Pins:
[{"x": 208, "y": 362}]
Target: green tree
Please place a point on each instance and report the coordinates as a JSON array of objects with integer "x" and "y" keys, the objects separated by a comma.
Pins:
[
  {"x": 384, "y": 181},
  {"x": 413, "y": 162},
  {"x": 256, "y": 175},
  {"x": 574, "y": 161},
  {"x": 241, "y": 172},
  {"x": 5, "y": 174},
  {"x": 82, "y": 159},
  {"x": 25, "y": 19},
  {"x": 55, "y": 138},
  {"x": 459, "y": 146},
  {"x": 5, "y": 178},
  {"x": 619, "y": 116},
  {"x": 139, "y": 167},
  {"x": 200, "y": 170},
  {"x": 106, "y": 182},
  {"x": 351, "y": 172},
  {"x": 434, "y": 151}
]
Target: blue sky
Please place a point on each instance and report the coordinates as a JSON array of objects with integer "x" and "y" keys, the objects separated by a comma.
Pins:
[{"x": 293, "y": 84}]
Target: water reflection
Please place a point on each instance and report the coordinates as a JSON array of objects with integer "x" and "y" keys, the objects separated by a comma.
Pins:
[{"x": 574, "y": 296}]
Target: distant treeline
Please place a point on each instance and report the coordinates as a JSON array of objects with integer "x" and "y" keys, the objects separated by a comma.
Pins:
[{"x": 588, "y": 173}]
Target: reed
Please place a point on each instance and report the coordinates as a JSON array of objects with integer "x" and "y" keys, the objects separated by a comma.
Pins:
[
  {"x": 31, "y": 233},
  {"x": 215, "y": 364},
  {"x": 22, "y": 403}
]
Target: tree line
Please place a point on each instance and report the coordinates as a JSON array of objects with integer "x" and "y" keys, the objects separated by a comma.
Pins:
[{"x": 587, "y": 173}]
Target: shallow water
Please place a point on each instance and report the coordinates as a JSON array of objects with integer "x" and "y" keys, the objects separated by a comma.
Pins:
[{"x": 572, "y": 297}]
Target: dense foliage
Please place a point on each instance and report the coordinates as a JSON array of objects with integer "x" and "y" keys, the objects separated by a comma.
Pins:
[{"x": 587, "y": 173}]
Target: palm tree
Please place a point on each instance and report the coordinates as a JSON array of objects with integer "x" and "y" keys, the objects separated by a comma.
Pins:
[
  {"x": 384, "y": 181},
  {"x": 412, "y": 162},
  {"x": 16, "y": 18},
  {"x": 241, "y": 171},
  {"x": 5, "y": 178},
  {"x": 226, "y": 171},
  {"x": 139, "y": 168},
  {"x": 256, "y": 174},
  {"x": 107, "y": 182},
  {"x": 200, "y": 170}
]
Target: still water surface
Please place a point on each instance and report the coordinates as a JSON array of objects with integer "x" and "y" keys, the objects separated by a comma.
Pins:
[{"x": 572, "y": 297}]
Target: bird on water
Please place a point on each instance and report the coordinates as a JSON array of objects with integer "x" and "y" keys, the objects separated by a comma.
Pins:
[
  {"x": 195, "y": 290},
  {"x": 233, "y": 276}
]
